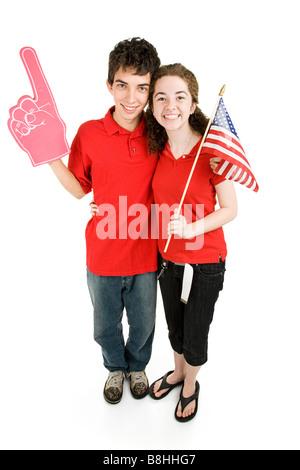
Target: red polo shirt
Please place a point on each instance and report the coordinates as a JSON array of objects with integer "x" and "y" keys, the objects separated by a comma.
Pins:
[
  {"x": 115, "y": 164},
  {"x": 168, "y": 185}
]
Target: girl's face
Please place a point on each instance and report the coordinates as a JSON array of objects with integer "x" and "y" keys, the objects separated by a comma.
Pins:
[{"x": 172, "y": 103}]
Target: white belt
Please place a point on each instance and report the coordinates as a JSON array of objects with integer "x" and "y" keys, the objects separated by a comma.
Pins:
[{"x": 186, "y": 282}]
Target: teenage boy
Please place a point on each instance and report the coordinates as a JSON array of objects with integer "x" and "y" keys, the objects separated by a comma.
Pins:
[{"x": 110, "y": 156}]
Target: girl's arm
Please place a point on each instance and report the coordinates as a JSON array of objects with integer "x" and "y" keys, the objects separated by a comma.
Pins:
[{"x": 227, "y": 212}]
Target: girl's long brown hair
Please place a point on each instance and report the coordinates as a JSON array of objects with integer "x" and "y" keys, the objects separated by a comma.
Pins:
[{"x": 157, "y": 135}]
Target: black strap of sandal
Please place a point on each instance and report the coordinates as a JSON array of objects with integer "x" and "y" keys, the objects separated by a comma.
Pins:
[
  {"x": 186, "y": 401},
  {"x": 164, "y": 384}
]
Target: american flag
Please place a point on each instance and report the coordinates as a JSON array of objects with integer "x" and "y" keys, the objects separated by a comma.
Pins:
[{"x": 223, "y": 141}]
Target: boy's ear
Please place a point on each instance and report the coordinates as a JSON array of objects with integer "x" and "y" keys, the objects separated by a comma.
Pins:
[{"x": 109, "y": 87}]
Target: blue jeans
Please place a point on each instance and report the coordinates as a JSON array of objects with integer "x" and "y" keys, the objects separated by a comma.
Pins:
[{"x": 110, "y": 295}]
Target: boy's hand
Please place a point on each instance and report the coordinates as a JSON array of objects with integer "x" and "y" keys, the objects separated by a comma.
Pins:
[
  {"x": 34, "y": 122},
  {"x": 94, "y": 208},
  {"x": 214, "y": 162}
]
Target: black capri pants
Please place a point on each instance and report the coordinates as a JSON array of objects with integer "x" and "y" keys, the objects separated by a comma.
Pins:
[{"x": 189, "y": 324}]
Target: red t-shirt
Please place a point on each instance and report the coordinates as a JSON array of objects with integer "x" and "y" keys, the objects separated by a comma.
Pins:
[
  {"x": 168, "y": 185},
  {"x": 115, "y": 164}
]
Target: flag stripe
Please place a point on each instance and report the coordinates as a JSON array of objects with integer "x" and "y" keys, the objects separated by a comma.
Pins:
[
  {"x": 228, "y": 141},
  {"x": 219, "y": 150},
  {"x": 224, "y": 166},
  {"x": 253, "y": 186},
  {"x": 241, "y": 176},
  {"x": 226, "y": 132},
  {"x": 224, "y": 143},
  {"x": 232, "y": 172},
  {"x": 237, "y": 175},
  {"x": 227, "y": 137}
]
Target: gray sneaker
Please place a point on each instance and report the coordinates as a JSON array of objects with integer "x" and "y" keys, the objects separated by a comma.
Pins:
[
  {"x": 139, "y": 385},
  {"x": 113, "y": 389}
]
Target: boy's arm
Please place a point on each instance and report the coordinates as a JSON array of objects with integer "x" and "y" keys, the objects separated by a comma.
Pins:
[
  {"x": 67, "y": 179},
  {"x": 214, "y": 162}
]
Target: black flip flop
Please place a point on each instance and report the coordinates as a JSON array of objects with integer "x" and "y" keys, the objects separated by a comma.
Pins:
[
  {"x": 163, "y": 386},
  {"x": 185, "y": 401}
]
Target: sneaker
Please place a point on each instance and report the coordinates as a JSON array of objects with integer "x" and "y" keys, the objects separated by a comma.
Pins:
[
  {"x": 139, "y": 385},
  {"x": 113, "y": 389}
]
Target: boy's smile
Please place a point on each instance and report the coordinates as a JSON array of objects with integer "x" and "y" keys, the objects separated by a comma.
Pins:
[{"x": 130, "y": 93}]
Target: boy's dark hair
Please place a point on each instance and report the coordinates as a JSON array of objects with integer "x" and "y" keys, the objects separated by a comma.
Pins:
[{"x": 135, "y": 53}]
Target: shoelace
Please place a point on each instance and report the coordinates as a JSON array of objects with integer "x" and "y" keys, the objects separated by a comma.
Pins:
[
  {"x": 137, "y": 377},
  {"x": 115, "y": 379}
]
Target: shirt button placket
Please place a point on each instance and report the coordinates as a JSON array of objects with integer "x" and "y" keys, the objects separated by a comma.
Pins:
[{"x": 132, "y": 147}]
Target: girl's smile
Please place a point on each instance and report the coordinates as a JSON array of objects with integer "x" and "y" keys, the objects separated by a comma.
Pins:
[{"x": 172, "y": 103}]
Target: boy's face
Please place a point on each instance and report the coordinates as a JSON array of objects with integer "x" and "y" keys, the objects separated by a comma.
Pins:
[{"x": 130, "y": 93}]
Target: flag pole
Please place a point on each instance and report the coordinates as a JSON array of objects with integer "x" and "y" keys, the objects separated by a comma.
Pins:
[{"x": 222, "y": 91}]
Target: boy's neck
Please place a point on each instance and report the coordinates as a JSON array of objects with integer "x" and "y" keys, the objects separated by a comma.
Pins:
[{"x": 129, "y": 125}]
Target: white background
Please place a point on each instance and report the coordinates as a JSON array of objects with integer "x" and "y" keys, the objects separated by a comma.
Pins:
[{"x": 51, "y": 370}]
